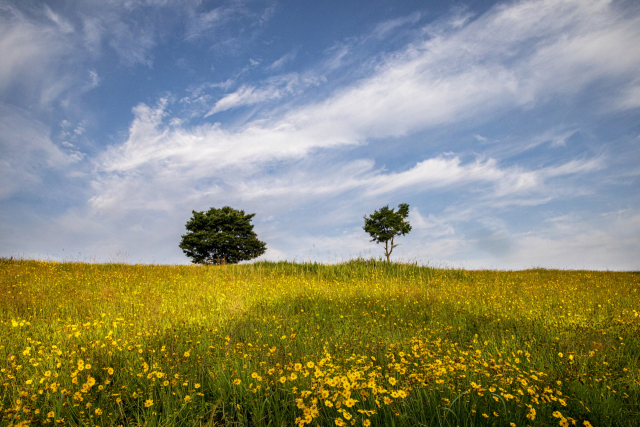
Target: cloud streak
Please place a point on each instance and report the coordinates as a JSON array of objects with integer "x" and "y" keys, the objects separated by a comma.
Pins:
[
  {"x": 27, "y": 152},
  {"x": 457, "y": 75}
]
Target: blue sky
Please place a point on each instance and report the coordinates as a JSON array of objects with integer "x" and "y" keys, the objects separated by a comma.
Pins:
[{"x": 512, "y": 129}]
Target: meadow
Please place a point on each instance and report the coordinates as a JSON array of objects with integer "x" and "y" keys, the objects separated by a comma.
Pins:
[{"x": 363, "y": 343}]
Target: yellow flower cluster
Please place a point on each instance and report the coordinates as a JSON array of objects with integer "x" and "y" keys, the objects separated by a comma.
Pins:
[{"x": 362, "y": 343}]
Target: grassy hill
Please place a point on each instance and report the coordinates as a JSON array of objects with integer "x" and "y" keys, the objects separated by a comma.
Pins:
[{"x": 359, "y": 343}]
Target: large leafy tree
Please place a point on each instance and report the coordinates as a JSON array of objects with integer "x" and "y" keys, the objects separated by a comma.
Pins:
[
  {"x": 385, "y": 224},
  {"x": 221, "y": 236}
]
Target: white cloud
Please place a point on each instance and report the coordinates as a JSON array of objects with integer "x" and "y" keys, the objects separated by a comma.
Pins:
[
  {"x": 93, "y": 30},
  {"x": 336, "y": 54},
  {"x": 27, "y": 152},
  {"x": 133, "y": 43},
  {"x": 79, "y": 130},
  {"x": 64, "y": 26},
  {"x": 245, "y": 95},
  {"x": 29, "y": 54},
  {"x": 202, "y": 23},
  {"x": 283, "y": 60},
  {"x": 514, "y": 55},
  {"x": 274, "y": 88},
  {"x": 438, "y": 172},
  {"x": 431, "y": 226},
  {"x": 500, "y": 186},
  {"x": 449, "y": 78},
  {"x": 572, "y": 167},
  {"x": 630, "y": 99},
  {"x": 46, "y": 59},
  {"x": 94, "y": 80},
  {"x": 576, "y": 243},
  {"x": 168, "y": 158},
  {"x": 383, "y": 28}
]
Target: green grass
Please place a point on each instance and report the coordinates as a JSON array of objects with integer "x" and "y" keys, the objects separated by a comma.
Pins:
[{"x": 274, "y": 344}]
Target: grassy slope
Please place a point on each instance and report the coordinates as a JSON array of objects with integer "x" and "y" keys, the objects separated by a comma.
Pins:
[{"x": 279, "y": 343}]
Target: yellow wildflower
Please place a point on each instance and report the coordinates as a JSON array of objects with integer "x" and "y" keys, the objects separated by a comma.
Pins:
[
  {"x": 350, "y": 402},
  {"x": 532, "y": 414}
]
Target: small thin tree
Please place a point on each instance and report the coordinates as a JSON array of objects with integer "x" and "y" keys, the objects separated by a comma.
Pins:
[{"x": 385, "y": 224}]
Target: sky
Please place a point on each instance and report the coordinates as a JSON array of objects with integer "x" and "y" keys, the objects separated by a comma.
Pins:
[{"x": 511, "y": 128}]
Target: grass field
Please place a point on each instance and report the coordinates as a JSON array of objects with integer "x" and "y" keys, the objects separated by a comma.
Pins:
[{"x": 359, "y": 343}]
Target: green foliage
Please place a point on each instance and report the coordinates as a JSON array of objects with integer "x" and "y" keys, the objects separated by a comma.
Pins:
[
  {"x": 221, "y": 236},
  {"x": 385, "y": 224}
]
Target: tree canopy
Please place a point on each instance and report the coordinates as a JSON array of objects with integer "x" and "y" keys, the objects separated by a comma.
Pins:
[
  {"x": 221, "y": 236},
  {"x": 385, "y": 224}
]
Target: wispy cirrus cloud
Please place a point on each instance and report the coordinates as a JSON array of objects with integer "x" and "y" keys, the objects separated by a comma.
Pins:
[
  {"x": 63, "y": 24},
  {"x": 250, "y": 95},
  {"x": 283, "y": 60},
  {"x": 28, "y": 152},
  {"x": 203, "y": 154},
  {"x": 384, "y": 28},
  {"x": 202, "y": 22},
  {"x": 459, "y": 74},
  {"x": 30, "y": 55}
]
